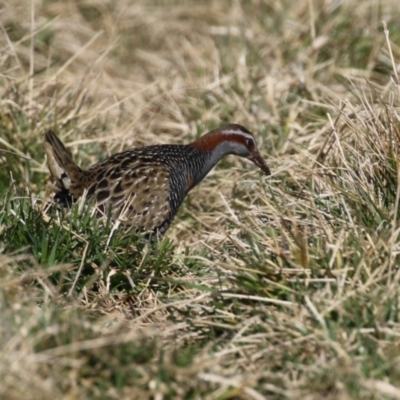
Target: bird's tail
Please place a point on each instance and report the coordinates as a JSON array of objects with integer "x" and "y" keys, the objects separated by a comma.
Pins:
[{"x": 65, "y": 174}]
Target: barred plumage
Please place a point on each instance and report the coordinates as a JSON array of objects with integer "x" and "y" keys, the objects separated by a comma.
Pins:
[{"x": 145, "y": 187}]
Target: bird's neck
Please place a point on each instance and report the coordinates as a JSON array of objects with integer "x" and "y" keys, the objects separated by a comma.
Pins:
[{"x": 204, "y": 160}]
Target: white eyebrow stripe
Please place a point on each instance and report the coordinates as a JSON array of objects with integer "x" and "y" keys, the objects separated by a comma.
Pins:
[{"x": 237, "y": 132}]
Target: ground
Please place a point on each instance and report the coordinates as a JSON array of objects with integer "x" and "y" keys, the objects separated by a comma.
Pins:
[{"x": 281, "y": 287}]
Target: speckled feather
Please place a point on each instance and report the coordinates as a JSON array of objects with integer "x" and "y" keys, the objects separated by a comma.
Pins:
[{"x": 142, "y": 187}]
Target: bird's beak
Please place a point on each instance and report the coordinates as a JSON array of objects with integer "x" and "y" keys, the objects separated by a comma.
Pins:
[{"x": 259, "y": 161}]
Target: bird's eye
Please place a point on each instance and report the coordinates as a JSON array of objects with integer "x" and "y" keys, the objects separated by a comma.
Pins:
[{"x": 250, "y": 143}]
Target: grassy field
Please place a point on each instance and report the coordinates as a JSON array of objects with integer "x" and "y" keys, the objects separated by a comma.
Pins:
[{"x": 264, "y": 288}]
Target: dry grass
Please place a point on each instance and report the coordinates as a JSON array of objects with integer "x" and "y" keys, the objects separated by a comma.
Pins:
[{"x": 286, "y": 287}]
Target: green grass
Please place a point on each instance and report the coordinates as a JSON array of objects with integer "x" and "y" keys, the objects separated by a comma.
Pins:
[{"x": 280, "y": 287}]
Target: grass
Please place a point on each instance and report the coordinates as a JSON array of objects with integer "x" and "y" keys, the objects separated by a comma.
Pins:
[{"x": 280, "y": 287}]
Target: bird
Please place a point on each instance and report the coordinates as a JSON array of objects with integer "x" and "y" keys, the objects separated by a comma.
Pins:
[{"x": 144, "y": 187}]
